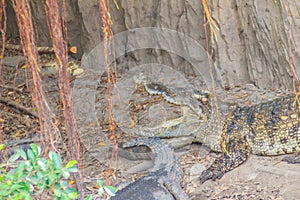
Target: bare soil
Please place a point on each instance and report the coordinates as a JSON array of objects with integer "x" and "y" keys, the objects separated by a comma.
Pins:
[{"x": 258, "y": 178}]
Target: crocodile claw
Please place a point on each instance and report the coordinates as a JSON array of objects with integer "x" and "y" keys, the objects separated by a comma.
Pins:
[
  {"x": 292, "y": 159},
  {"x": 210, "y": 174},
  {"x": 206, "y": 175}
]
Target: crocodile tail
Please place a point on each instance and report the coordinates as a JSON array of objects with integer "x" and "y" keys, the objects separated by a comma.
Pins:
[{"x": 163, "y": 153}]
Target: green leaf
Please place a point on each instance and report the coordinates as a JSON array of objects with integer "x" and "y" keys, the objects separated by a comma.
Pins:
[
  {"x": 55, "y": 158},
  {"x": 14, "y": 157},
  {"x": 31, "y": 156},
  {"x": 29, "y": 165},
  {"x": 54, "y": 177},
  {"x": 73, "y": 195},
  {"x": 64, "y": 184},
  {"x": 20, "y": 169},
  {"x": 1, "y": 146},
  {"x": 57, "y": 192},
  {"x": 42, "y": 185},
  {"x": 31, "y": 188},
  {"x": 111, "y": 190},
  {"x": 36, "y": 150},
  {"x": 22, "y": 153},
  {"x": 100, "y": 183},
  {"x": 33, "y": 180},
  {"x": 89, "y": 197},
  {"x": 4, "y": 192},
  {"x": 71, "y": 163},
  {"x": 65, "y": 174},
  {"x": 15, "y": 187},
  {"x": 10, "y": 175},
  {"x": 27, "y": 197},
  {"x": 41, "y": 174},
  {"x": 42, "y": 163},
  {"x": 26, "y": 187},
  {"x": 100, "y": 191},
  {"x": 72, "y": 169},
  {"x": 18, "y": 196},
  {"x": 69, "y": 190}
]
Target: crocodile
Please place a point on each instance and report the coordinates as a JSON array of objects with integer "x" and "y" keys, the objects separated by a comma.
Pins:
[
  {"x": 189, "y": 97},
  {"x": 267, "y": 129},
  {"x": 194, "y": 104},
  {"x": 163, "y": 182}
]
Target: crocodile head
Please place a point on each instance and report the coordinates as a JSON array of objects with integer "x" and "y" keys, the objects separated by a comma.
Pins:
[{"x": 139, "y": 78}]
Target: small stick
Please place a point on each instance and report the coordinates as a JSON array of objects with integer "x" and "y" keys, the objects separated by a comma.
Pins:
[
  {"x": 18, "y": 106},
  {"x": 11, "y": 88}
]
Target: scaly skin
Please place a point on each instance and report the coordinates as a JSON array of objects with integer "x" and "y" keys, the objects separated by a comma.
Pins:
[
  {"x": 163, "y": 182},
  {"x": 177, "y": 96},
  {"x": 194, "y": 109},
  {"x": 270, "y": 128}
]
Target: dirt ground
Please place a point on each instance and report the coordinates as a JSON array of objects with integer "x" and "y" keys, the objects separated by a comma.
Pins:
[{"x": 258, "y": 178}]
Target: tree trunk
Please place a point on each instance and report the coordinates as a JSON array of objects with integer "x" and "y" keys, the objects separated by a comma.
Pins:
[
  {"x": 252, "y": 41},
  {"x": 259, "y": 43}
]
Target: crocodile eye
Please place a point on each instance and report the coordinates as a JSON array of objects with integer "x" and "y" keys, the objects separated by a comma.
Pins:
[{"x": 202, "y": 95}]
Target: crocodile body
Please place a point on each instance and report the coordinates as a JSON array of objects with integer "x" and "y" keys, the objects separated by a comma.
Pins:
[
  {"x": 163, "y": 182},
  {"x": 267, "y": 129}
]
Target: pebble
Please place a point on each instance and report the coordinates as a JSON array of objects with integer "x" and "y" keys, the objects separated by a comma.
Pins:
[{"x": 196, "y": 170}]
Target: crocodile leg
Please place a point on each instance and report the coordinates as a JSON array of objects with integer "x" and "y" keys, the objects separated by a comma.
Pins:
[
  {"x": 175, "y": 190},
  {"x": 292, "y": 159},
  {"x": 237, "y": 152}
]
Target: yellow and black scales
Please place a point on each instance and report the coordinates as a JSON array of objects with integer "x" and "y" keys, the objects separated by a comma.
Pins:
[
  {"x": 270, "y": 128},
  {"x": 267, "y": 129}
]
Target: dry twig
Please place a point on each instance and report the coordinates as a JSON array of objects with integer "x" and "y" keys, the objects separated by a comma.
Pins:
[{"x": 18, "y": 106}]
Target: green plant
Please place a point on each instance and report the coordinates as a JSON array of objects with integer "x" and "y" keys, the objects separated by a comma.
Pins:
[
  {"x": 28, "y": 174},
  {"x": 109, "y": 190},
  {"x": 34, "y": 174}
]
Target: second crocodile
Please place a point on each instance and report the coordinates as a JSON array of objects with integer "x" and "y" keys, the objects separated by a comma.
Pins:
[{"x": 163, "y": 182}]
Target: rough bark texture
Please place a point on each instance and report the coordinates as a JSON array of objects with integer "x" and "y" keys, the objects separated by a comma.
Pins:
[
  {"x": 252, "y": 40},
  {"x": 265, "y": 42}
]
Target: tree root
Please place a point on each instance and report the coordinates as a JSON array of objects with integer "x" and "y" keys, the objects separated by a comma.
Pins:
[{"x": 18, "y": 106}]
